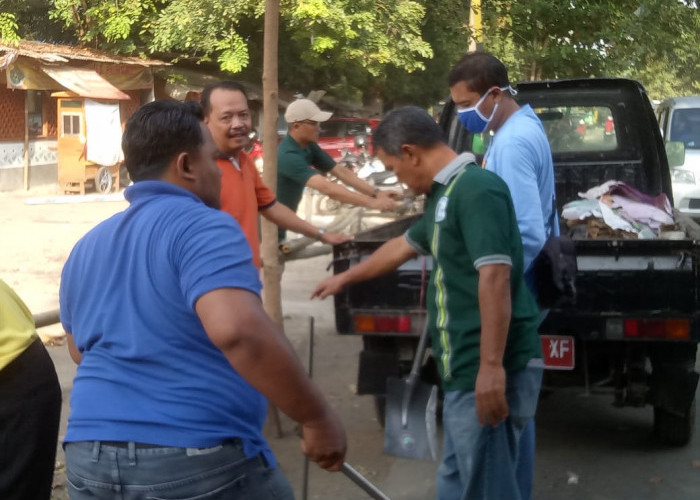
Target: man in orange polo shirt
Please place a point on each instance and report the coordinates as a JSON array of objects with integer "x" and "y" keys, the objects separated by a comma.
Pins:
[{"x": 243, "y": 194}]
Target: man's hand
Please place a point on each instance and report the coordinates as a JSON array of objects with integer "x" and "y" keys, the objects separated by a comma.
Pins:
[
  {"x": 490, "y": 394},
  {"x": 324, "y": 441},
  {"x": 390, "y": 193},
  {"x": 384, "y": 203},
  {"x": 336, "y": 238},
  {"x": 329, "y": 286}
]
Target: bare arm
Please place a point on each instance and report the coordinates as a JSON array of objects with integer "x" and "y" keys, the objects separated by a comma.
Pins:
[
  {"x": 386, "y": 258},
  {"x": 237, "y": 324},
  {"x": 495, "y": 310},
  {"x": 349, "y": 178},
  {"x": 344, "y": 195},
  {"x": 282, "y": 216},
  {"x": 75, "y": 354}
]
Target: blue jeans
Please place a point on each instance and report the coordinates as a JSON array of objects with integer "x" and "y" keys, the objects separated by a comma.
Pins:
[
  {"x": 100, "y": 470},
  {"x": 525, "y": 470},
  {"x": 479, "y": 462}
]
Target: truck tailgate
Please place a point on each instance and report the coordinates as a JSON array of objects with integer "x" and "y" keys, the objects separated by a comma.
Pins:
[{"x": 617, "y": 280}]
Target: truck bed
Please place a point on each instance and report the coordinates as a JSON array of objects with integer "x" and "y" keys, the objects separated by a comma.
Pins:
[{"x": 616, "y": 279}]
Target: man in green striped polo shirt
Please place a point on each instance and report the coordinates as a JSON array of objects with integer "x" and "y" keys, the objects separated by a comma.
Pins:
[{"x": 483, "y": 319}]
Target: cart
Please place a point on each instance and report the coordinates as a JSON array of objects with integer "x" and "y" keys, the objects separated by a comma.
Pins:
[{"x": 89, "y": 143}]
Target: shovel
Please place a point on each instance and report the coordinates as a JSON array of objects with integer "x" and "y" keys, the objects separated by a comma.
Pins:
[{"x": 410, "y": 429}]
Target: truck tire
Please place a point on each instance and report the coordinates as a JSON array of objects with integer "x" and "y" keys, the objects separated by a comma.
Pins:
[{"x": 673, "y": 429}]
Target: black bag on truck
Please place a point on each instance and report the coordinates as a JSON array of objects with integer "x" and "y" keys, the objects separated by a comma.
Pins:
[{"x": 555, "y": 272}]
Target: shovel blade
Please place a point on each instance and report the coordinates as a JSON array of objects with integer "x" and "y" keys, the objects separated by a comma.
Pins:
[{"x": 417, "y": 440}]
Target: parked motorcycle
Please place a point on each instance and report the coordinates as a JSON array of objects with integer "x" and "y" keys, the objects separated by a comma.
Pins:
[{"x": 370, "y": 169}]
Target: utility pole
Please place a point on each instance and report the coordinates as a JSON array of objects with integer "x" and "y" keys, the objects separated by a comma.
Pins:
[
  {"x": 476, "y": 32},
  {"x": 272, "y": 269}
]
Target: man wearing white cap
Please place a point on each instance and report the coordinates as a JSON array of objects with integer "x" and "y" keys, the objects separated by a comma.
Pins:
[{"x": 301, "y": 162}]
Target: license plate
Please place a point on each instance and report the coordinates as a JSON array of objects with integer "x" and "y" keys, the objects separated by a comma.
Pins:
[{"x": 558, "y": 352}]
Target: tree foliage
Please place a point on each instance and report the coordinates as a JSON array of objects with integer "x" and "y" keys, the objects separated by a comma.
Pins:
[
  {"x": 655, "y": 41},
  {"x": 113, "y": 25},
  {"x": 398, "y": 51},
  {"x": 446, "y": 28},
  {"x": 669, "y": 31},
  {"x": 338, "y": 45},
  {"x": 8, "y": 28},
  {"x": 30, "y": 21}
]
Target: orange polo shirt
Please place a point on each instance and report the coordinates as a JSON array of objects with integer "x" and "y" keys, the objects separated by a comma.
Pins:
[{"x": 243, "y": 195}]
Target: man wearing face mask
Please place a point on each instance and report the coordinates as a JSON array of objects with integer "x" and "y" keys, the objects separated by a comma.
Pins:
[{"x": 520, "y": 154}]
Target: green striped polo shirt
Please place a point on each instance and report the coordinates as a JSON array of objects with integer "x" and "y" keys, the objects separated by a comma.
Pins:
[{"x": 469, "y": 222}]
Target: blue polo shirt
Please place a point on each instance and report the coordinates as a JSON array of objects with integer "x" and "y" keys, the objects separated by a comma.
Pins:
[
  {"x": 149, "y": 372},
  {"x": 520, "y": 154}
]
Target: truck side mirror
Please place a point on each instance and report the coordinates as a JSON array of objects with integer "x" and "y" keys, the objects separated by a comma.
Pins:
[{"x": 675, "y": 152}]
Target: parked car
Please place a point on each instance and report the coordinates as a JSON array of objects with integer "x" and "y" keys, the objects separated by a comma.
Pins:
[
  {"x": 338, "y": 134},
  {"x": 679, "y": 119}
]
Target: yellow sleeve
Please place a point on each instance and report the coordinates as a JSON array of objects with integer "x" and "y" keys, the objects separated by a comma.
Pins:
[{"x": 17, "y": 330}]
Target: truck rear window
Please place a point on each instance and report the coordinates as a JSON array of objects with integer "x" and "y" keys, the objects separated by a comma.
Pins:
[{"x": 578, "y": 128}]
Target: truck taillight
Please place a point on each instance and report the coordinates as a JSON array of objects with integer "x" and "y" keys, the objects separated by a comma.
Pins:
[
  {"x": 382, "y": 323},
  {"x": 678, "y": 329},
  {"x": 657, "y": 328}
]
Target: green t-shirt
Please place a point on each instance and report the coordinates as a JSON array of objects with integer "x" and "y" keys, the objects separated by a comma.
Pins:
[
  {"x": 469, "y": 221},
  {"x": 295, "y": 166}
]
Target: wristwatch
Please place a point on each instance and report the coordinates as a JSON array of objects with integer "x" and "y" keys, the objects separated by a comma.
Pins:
[{"x": 320, "y": 234}]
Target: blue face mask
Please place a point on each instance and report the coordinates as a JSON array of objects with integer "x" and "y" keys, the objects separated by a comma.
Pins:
[{"x": 472, "y": 119}]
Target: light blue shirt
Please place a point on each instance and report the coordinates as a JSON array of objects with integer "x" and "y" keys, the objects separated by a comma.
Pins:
[{"x": 520, "y": 154}]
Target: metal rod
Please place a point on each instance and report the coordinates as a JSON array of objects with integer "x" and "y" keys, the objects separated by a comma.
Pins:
[
  {"x": 363, "y": 482},
  {"x": 311, "y": 346},
  {"x": 47, "y": 318},
  {"x": 305, "y": 480}
]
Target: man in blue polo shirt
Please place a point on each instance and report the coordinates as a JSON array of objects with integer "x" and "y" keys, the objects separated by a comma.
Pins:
[{"x": 175, "y": 353}]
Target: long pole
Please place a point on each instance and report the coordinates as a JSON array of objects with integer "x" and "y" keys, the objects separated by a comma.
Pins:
[
  {"x": 26, "y": 140},
  {"x": 476, "y": 36},
  {"x": 272, "y": 270}
]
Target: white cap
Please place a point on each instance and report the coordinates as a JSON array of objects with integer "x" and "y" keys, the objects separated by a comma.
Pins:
[{"x": 305, "y": 109}]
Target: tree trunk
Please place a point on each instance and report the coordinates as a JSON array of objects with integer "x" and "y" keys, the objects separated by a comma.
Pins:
[{"x": 272, "y": 270}]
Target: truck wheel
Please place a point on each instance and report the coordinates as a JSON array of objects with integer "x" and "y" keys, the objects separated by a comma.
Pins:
[
  {"x": 673, "y": 429},
  {"x": 103, "y": 180}
]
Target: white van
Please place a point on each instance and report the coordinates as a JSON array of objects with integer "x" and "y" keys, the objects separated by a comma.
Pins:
[{"x": 679, "y": 119}]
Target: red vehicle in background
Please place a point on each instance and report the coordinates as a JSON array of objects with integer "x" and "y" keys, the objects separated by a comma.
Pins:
[
  {"x": 338, "y": 134},
  {"x": 255, "y": 150},
  {"x": 336, "y": 137}
]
